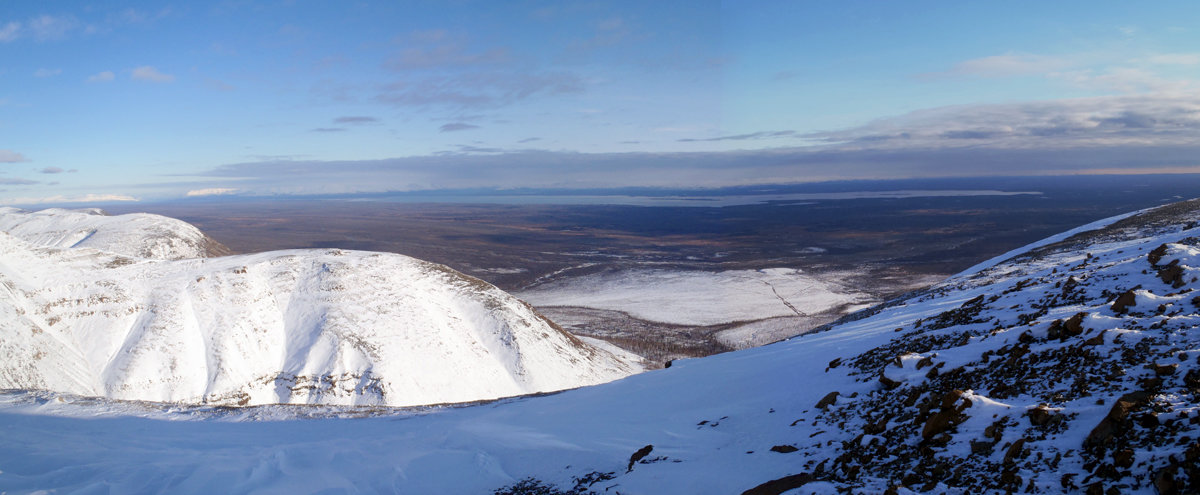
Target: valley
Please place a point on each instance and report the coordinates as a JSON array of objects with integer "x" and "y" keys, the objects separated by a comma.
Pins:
[{"x": 858, "y": 248}]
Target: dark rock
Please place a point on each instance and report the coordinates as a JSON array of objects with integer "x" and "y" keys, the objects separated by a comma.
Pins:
[
  {"x": 1123, "y": 458},
  {"x": 1074, "y": 325},
  {"x": 1015, "y": 451},
  {"x": 1055, "y": 330},
  {"x": 981, "y": 448},
  {"x": 1192, "y": 378},
  {"x": 827, "y": 401},
  {"x": 1096, "y": 340},
  {"x": 1172, "y": 274},
  {"x": 1148, "y": 420},
  {"x": 1165, "y": 369},
  {"x": 1164, "y": 481},
  {"x": 639, "y": 455},
  {"x": 950, "y": 415},
  {"x": 778, "y": 486},
  {"x": 1156, "y": 255},
  {"x": 784, "y": 449},
  {"x": 952, "y": 397},
  {"x": 1124, "y": 301},
  {"x": 1010, "y": 479},
  {"x": 888, "y": 383},
  {"x": 1096, "y": 488},
  {"x": 1067, "y": 481},
  {"x": 1040, "y": 415}
]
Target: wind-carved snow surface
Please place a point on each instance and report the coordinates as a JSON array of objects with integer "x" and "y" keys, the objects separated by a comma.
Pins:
[
  {"x": 140, "y": 235},
  {"x": 303, "y": 326},
  {"x": 1070, "y": 367}
]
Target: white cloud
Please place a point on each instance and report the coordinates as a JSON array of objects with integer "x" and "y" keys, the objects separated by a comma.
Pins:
[
  {"x": 48, "y": 28},
  {"x": 9, "y": 156},
  {"x": 105, "y": 76},
  {"x": 1005, "y": 66},
  {"x": 212, "y": 191},
  {"x": 1123, "y": 80},
  {"x": 87, "y": 198},
  {"x": 1145, "y": 120},
  {"x": 10, "y": 31},
  {"x": 1175, "y": 59},
  {"x": 47, "y": 72},
  {"x": 148, "y": 73}
]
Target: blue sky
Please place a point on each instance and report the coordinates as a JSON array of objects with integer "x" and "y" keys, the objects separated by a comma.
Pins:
[{"x": 154, "y": 101}]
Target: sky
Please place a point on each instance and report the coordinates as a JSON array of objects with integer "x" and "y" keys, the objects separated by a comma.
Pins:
[{"x": 147, "y": 101}]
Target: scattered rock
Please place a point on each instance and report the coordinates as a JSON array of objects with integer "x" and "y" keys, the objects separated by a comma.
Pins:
[
  {"x": 639, "y": 455},
  {"x": 1157, "y": 254},
  {"x": 784, "y": 449},
  {"x": 1124, "y": 301},
  {"x": 1015, "y": 451},
  {"x": 981, "y": 448},
  {"x": 945, "y": 419},
  {"x": 1165, "y": 369},
  {"x": 778, "y": 486},
  {"x": 828, "y": 400},
  {"x": 1172, "y": 274},
  {"x": 1041, "y": 415},
  {"x": 1097, "y": 340},
  {"x": 888, "y": 383},
  {"x": 1165, "y": 482},
  {"x": 1123, "y": 458}
]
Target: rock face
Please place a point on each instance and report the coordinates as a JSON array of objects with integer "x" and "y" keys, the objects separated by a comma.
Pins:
[
  {"x": 1072, "y": 367},
  {"x": 116, "y": 317}
]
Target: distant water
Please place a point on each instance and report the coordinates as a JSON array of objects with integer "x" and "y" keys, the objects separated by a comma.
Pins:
[{"x": 690, "y": 200}]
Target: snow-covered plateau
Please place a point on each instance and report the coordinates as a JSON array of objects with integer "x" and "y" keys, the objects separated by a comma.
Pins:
[
  {"x": 691, "y": 297},
  {"x": 118, "y": 307},
  {"x": 1072, "y": 366}
]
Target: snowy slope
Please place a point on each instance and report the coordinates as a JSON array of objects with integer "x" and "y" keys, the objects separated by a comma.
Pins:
[
  {"x": 141, "y": 235},
  {"x": 305, "y": 326},
  {"x": 995, "y": 381}
]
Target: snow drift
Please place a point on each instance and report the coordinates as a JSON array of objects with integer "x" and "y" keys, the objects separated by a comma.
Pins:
[{"x": 124, "y": 316}]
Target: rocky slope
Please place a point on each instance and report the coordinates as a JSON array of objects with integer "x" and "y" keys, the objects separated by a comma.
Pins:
[
  {"x": 135, "y": 317},
  {"x": 1072, "y": 366}
]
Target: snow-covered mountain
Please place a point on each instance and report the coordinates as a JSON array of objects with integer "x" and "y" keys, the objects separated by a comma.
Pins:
[
  {"x": 1070, "y": 366},
  {"x": 140, "y": 235},
  {"x": 125, "y": 317}
]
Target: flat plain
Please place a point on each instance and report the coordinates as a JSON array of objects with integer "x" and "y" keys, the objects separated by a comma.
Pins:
[{"x": 649, "y": 267}]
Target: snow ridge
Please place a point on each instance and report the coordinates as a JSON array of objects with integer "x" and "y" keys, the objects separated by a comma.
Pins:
[
  {"x": 302, "y": 326},
  {"x": 140, "y": 235}
]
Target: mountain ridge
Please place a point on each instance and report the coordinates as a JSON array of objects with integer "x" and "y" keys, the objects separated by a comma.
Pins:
[{"x": 299, "y": 326}]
